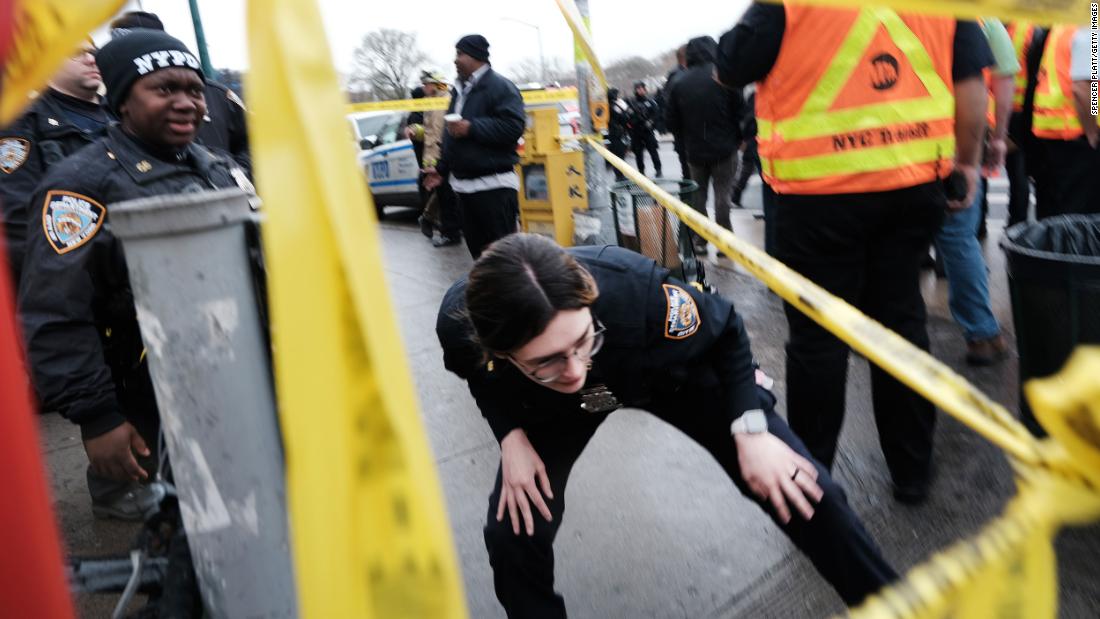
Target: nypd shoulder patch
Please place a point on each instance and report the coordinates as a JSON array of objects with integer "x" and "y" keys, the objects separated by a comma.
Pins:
[
  {"x": 70, "y": 219},
  {"x": 13, "y": 154},
  {"x": 682, "y": 319}
]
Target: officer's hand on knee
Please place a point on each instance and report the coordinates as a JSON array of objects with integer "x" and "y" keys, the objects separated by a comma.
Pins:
[
  {"x": 112, "y": 454},
  {"x": 775, "y": 472},
  {"x": 521, "y": 470}
]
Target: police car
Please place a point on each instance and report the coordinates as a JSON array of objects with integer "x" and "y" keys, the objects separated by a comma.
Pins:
[{"x": 387, "y": 158}]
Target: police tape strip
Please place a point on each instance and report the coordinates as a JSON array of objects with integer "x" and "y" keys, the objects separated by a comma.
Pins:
[
  {"x": 370, "y": 536},
  {"x": 45, "y": 33},
  {"x": 531, "y": 97},
  {"x": 907, "y": 363},
  {"x": 1045, "y": 13},
  {"x": 583, "y": 38}
]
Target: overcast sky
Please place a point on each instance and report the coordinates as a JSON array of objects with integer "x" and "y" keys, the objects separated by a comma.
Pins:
[{"x": 620, "y": 27}]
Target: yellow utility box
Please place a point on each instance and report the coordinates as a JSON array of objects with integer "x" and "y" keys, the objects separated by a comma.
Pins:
[{"x": 552, "y": 182}]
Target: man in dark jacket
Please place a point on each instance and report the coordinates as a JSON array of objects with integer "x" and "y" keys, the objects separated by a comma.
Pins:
[
  {"x": 643, "y": 117},
  {"x": 705, "y": 116},
  {"x": 618, "y": 131},
  {"x": 479, "y": 150},
  {"x": 677, "y": 141},
  {"x": 67, "y": 116},
  {"x": 224, "y": 126},
  {"x": 83, "y": 342}
]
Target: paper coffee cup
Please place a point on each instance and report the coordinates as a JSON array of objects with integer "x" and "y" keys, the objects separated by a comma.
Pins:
[{"x": 450, "y": 118}]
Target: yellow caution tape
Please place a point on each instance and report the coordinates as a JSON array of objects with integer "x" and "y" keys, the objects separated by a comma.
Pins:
[
  {"x": 531, "y": 97},
  {"x": 46, "y": 32},
  {"x": 583, "y": 38},
  {"x": 909, "y": 364},
  {"x": 369, "y": 527},
  {"x": 1068, "y": 406},
  {"x": 1048, "y": 12}
]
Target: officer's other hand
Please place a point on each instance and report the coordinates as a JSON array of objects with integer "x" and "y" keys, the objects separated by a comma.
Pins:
[
  {"x": 768, "y": 465},
  {"x": 970, "y": 173},
  {"x": 521, "y": 468},
  {"x": 432, "y": 179},
  {"x": 112, "y": 454},
  {"x": 459, "y": 128}
]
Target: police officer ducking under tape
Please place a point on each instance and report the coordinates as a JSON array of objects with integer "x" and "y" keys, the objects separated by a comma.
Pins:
[
  {"x": 857, "y": 137},
  {"x": 83, "y": 342},
  {"x": 551, "y": 341},
  {"x": 67, "y": 116}
]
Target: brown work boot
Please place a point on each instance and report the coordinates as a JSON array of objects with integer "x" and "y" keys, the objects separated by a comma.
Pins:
[{"x": 987, "y": 351}]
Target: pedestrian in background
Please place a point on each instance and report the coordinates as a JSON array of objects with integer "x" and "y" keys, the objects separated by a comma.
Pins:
[
  {"x": 643, "y": 118},
  {"x": 440, "y": 212},
  {"x": 706, "y": 116},
  {"x": 618, "y": 131},
  {"x": 860, "y": 188},
  {"x": 677, "y": 142},
  {"x": 479, "y": 149}
]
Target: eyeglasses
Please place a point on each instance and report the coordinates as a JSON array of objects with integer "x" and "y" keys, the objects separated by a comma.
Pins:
[{"x": 551, "y": 369}]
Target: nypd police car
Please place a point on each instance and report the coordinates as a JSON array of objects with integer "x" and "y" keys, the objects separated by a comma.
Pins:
[{"x": 387, "y": 158}]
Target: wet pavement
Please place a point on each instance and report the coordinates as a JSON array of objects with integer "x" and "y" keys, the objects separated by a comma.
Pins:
[{"x": 653, "y": 527}]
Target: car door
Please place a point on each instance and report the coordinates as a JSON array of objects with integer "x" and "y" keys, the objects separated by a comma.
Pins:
[{"x": 391, "y": 166}]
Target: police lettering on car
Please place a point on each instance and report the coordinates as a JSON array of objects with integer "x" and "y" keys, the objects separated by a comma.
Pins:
[
  {"x": 83, "y": 341},
  {"x": 552, "y": 341}
]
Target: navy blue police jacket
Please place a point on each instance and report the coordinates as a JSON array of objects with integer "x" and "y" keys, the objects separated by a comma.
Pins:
[
  {"x": 494, "y": 108},
  {"x": 662, "y": 337},
  {"x": 83, "y": 342}
]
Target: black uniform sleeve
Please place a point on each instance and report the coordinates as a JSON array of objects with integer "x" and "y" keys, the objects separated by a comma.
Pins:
[
  {"x": 697, "y": 329},
  {"x": 238, "y": 137},
  {"x": 506, "y": 120},
  {"x": 17, "y": 185},
  {"x": 464, "y": 357},
  {"x": 971, "y": 51},
  {"x": 56, "y": 299},
  {"x": 747, "y": 52}
]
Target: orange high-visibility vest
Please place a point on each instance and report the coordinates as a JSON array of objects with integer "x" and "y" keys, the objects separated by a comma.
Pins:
[
  {"x": 1055, "y": 117},
  {"x": 1021, "y": 34},
  {"x": 859, "y": 100}
]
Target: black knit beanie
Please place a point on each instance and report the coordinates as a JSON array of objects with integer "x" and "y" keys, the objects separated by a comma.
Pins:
[
  {"x": 125, "y": 59},
  {"x": 475, "y": 46}
]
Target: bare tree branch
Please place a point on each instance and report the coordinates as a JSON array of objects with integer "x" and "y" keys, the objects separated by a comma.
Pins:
[{"x": 385, "y": 64}]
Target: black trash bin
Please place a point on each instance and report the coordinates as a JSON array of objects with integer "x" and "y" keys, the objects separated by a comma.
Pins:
[
  {"x": 1054, "y": 283},
  {"x": 644, "y": 226}
]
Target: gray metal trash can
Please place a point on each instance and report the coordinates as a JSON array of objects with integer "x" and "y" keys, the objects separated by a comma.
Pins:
[
  {"x": 1054, "y": 283},
  {"x": 644, "y": 226}
]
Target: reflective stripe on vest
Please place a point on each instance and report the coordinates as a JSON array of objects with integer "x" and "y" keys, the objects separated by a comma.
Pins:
[
  {"x": 871, "y": 146},
  {"x": 1021, "y": 34},
  {"x": 1055, "y": 117}
]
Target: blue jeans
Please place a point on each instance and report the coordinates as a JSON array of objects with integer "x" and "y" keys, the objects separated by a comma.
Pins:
[{"x": 967, "y": 276}]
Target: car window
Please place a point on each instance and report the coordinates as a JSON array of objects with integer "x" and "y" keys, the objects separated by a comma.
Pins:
[
  {"x": 392, "y": 129},
  {"x": 371, "y": 125}
]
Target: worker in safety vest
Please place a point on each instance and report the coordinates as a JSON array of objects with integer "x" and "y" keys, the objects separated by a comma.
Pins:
[
  {"x": 1066, "y": 129},
  {"x": 859, "y": 139},
  {"x": 1019, "y": 126}
]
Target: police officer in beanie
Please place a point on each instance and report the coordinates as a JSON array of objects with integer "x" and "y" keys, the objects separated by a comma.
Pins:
[
  {"x": 479, "y": 150},
  {"x": 83, "y": 342},
  {"x": 67, "y": 116},
  {"x": 224, "y": 126}
]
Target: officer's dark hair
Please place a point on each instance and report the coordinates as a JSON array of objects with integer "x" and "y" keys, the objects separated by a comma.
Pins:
[{"x": 518, "y": 285}]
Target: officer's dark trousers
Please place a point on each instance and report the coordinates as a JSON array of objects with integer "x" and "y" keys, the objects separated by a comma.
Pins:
[
  {"x": 642, "y": 142},
  {"x": 523, "y": 567},
  {"x": 866, "y": 249},
  {"x": 1019, "y": 187},
  {"x": 1070, "y": 181},
  {"x": 487, "y": 216}
]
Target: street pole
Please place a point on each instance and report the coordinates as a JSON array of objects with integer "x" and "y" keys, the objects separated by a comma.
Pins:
[
  {"x": 200, "y": 40},
  {"x": 538, "y": 32},
  {"x": 599, "y": 192}
]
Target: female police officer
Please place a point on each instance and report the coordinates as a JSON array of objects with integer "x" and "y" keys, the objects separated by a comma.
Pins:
[
  {"x": 550, "y": 341},
  {"x": 78, "y": 314}
]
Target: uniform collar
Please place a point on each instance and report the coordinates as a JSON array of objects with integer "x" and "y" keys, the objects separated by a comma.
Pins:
[
  {"x": 143, "y": 166},
  {"x": 51, "y": 120}
]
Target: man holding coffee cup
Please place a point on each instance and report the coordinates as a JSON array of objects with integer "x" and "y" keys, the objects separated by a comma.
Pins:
[{"x": 484, "y": 122}]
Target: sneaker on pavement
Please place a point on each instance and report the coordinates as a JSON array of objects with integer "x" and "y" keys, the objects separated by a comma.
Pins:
[
  {"x": 446, "y": 241},
  {"x": 136, "y": 503},
  {"x": 987, "y": 351}
]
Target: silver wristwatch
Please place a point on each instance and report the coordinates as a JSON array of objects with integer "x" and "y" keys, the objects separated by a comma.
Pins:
[{"x": 750, "y": 422}]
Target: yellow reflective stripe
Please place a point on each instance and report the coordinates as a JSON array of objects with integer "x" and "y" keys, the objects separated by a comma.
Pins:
[
  {"x": 857, "y": 119},
  {"x": 876, "y": 159},
  {"x": 1056, "y": 123},
  {"x": 815, "y": 119}
]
